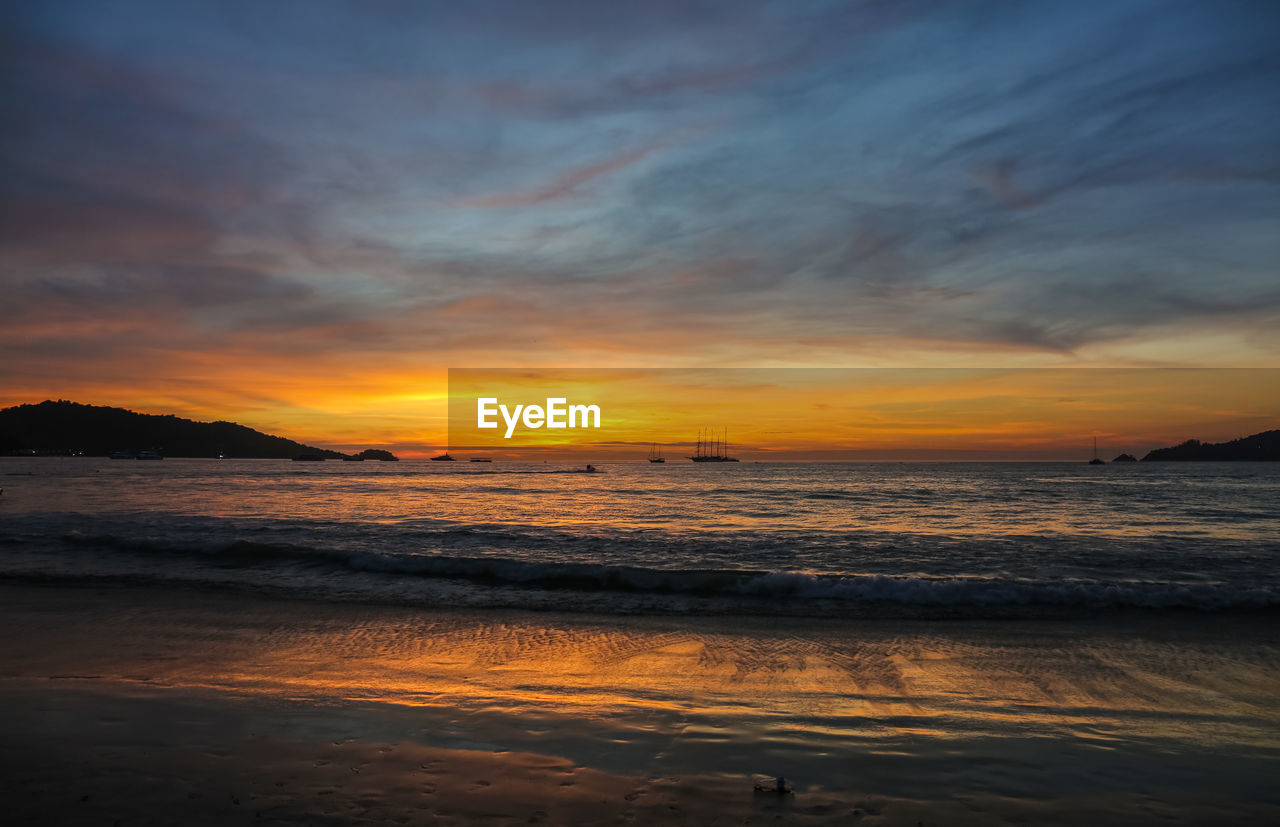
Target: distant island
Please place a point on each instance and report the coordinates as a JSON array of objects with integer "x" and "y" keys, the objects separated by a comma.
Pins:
[
  {"x": 1263, "y": 447},
  {"x": 375, "y": 453},
  {"x": 68, "y": 428}
]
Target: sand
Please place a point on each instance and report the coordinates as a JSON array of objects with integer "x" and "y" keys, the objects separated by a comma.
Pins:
[{"x": 154, "y": 706}]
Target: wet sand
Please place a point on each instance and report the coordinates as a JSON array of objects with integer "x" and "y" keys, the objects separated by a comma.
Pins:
[{"x": 163, "y": 706}]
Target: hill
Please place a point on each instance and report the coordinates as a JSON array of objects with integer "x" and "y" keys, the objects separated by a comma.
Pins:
[
  {"x": 1259, "y": 447},
  {"x": 68, "y": 427}
]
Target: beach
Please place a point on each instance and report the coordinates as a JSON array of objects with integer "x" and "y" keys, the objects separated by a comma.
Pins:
[
  {"x": 680, "y": 413},
  {"x": 138, "y": 705}
]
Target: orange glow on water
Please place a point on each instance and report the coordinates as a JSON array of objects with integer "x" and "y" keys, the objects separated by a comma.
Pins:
[{"x": 744, "y": 680}]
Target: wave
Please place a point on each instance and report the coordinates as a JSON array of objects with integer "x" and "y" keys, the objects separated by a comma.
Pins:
[
  {"x": 824, "y": 593},
  {"x": 906, "y": 589}
]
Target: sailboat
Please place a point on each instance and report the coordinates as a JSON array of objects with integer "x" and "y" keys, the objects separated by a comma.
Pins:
[
  {"x": 713, "y": 449},
  {"x": 655, "y": 455},
  {"x": 1095, "y": 460}
]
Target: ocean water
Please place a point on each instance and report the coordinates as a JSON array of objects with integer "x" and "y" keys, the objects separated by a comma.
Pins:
[{"x": 881, "y": 539}]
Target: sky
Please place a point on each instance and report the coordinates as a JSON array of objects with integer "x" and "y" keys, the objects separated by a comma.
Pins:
[
  {"x": 300, "y": 215},
  {"x": 855, "y": 414}
]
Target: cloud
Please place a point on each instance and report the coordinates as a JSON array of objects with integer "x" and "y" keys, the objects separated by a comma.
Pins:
[
  {"x": 189, "y": 191},
  {"x": 564, "y": 184}
]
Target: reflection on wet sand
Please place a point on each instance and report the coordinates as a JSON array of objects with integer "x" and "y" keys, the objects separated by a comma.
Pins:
[{"x": 901, "y": 709}]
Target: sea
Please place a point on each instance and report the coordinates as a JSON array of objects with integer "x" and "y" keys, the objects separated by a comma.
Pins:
[{"x": 759, "y": 539}]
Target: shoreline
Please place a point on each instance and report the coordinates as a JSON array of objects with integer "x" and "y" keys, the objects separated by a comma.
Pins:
[
  {"x": 698, "y": 608},
  {"x": 895, "y": 722}
]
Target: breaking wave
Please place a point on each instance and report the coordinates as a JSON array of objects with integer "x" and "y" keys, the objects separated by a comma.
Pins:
[{"x": 755, "y": 590}]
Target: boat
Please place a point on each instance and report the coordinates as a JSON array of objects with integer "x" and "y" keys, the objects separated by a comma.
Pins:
[
  {"x": 147, "y": 453},
  {"x": 481, "y": 459},
  {"x": 655, "y": 454},
  {"x": 1095, "y": 460},
  {"x": 121, "y": 455},
  {"x": 713, "y": 449},
  {"x": 443, "y": 458}
]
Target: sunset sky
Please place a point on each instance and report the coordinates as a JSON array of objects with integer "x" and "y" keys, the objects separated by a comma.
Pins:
[
  {"x": 864, "y": 413},
  {"x": 299, "y": 215}
]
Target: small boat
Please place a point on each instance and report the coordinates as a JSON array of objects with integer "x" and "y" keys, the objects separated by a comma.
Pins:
[
  {"x": 655, "y": 454},
  {"x": 443, "y": 458},
  {"x": 1095, "y": 460},
  {"x": 308, "y": 458},
  {"x": 591, "y": 469},
  {"x": 481, "y": 459},
  {"x": 121, "y": 455},
  {"x": 147, "y": 453}
]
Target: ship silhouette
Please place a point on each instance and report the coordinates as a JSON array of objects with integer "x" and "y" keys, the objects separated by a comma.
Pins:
[{"x": 713, "y": 448}]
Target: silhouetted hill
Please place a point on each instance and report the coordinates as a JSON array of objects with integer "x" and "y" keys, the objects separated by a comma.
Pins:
[
  {"x": 69, "y": 427},
  {"x": 1259, "y": 447}
]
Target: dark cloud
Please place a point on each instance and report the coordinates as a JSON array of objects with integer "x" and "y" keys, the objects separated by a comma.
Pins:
[{"x": 699, "y": 179}]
